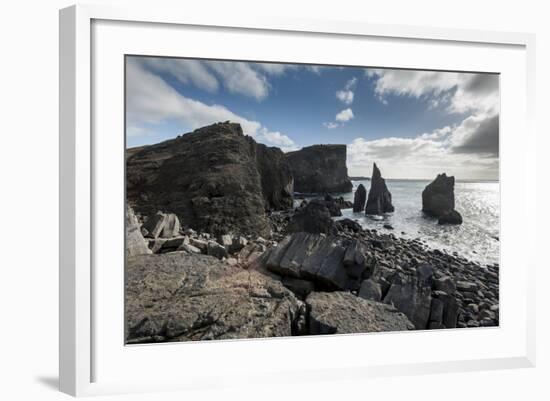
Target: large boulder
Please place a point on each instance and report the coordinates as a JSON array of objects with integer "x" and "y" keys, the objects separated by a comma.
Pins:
[
  {"x": 314, "y": 218},
  {"x": 320, "y": 169},
  {"x": 331, "y": 262},
  {"x": 342, "y": 312},
  {"x": 215, "y": 179},
  {"x": 379, "y": 200},
  {"x": 135, "y": 243},
  {"x": 181, "y": 297},
  {"x": 162, "y": 225},
  {"x": 438, "y": 200},
  {"x": 359, "y": 198}
]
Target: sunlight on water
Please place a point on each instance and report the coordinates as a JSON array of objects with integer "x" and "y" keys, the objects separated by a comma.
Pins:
[{"x": 478, "y": 202}]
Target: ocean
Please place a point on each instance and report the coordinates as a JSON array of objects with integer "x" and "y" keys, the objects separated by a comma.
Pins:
[{"x": 476, "y": 239}]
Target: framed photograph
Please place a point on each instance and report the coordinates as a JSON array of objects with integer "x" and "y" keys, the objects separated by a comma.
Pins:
[{"x": 275, "y": 199}]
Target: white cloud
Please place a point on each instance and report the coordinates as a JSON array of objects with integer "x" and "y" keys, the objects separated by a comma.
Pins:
[
  {"x": 468, "y": 150},
  {"x": 239, "y": 77},
  {"x": 344, "y": 115},
  {"x": 346, "y": 95},
  {"x": 331, "y": 125},
  {"x": 184, "y": 70},
  {"x": 150, "y": 100},
  {"x": 458, "y": 92}
]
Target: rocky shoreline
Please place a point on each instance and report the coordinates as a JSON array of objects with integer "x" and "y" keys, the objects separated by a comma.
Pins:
[{"x": 216, "y": 251}]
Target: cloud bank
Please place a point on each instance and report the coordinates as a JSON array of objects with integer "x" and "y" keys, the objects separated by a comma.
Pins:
[{"x": 150, "y": 100}]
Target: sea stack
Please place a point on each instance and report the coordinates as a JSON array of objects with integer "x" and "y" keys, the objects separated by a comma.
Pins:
[
  {"x": 438, "y": 200},
  {"x": 379, "y": 200},
  {"x": 359, "y": 199},
  {"x": 320, "y": 169}
]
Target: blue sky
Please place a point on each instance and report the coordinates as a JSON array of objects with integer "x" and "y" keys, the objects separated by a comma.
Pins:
[{"x": 414, "y": 124}]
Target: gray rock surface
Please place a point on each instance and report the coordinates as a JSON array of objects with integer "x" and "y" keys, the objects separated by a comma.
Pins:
[
  {"x": 135, "y": 243},
  {"x": 342, "y": 312},
  {"x": 180, "y": 297},
  {"x": 329, "y": 261}
]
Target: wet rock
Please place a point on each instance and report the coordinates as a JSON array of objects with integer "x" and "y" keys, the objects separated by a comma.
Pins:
[
  {"x": 359, "y": 198},
  {"x": 452, "y": 217},
  {"x": 320, "y": 169},
  {"x": 379, "y": 199},
  {"x": 181, "y": 297},
  {"x": 342, "y": 312}
]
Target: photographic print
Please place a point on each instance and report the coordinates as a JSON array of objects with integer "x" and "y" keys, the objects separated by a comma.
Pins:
[{"x": 280, "y": 199}]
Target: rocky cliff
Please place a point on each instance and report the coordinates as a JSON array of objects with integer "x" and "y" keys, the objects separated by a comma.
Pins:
[
  {"x": 214, "y": 179},
  {"x": 319, "y": 169}
]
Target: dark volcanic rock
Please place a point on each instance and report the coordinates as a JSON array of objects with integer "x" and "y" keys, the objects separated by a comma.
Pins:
[
  {"x": 342, "y": 312},
  {"x": 135, "y": 243},
  {"x": 213, "y": 179},
  {"x": 320, "y": 169},
  {"x": 453, "y": 217},
  {"x": 412, "y": 295},
  {"x": 438, "y": 200},
  {"x": 275, "y": 175},
  {"x": 179, "y": 297},
  {"x": 359, "y": 198},
  {"x": 379, "y": 200},
  {"x": 331, "y": 262},
  {"x": 315, "y": 218}
]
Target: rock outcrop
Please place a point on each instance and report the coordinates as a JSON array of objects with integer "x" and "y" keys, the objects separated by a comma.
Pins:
[
  {"x": 180, "y": 297},
  {"x": 359, "y": 199},
  {"x": 438, "y": 200},
  {"x": 215, "y": 179},
  {"x": 379, "y": 200},
  {"x": 135, "y": 243},
  {"x": 331, "y": 262},
  {"x": 275, "y": 176},
  {"x": 313, "y": 218},
  {"x": 320, "y": 169},
  {"x": 342, "y": 312},
  {"x": 162, "y": 225}
]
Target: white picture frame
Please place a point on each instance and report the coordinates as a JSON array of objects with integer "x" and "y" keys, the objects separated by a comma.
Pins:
[{"x": 81, "y": 344}]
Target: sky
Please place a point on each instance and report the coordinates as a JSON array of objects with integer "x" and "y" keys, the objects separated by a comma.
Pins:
[{"x": 413, "y": 124}]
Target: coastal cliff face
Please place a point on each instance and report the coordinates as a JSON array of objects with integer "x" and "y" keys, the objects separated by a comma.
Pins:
[
  {"x": 319, "y": 169},
  {"x": 214, "y": 179},
  {"x": 275, "y": 175}
]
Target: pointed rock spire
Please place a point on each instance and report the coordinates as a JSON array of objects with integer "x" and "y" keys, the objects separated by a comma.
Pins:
[
  {"x": 379, "y": 200},
  {"x": 359, "y": 198}
]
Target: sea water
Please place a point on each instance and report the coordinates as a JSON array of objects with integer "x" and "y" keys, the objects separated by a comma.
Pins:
[{"x": 476, "y": 239}]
